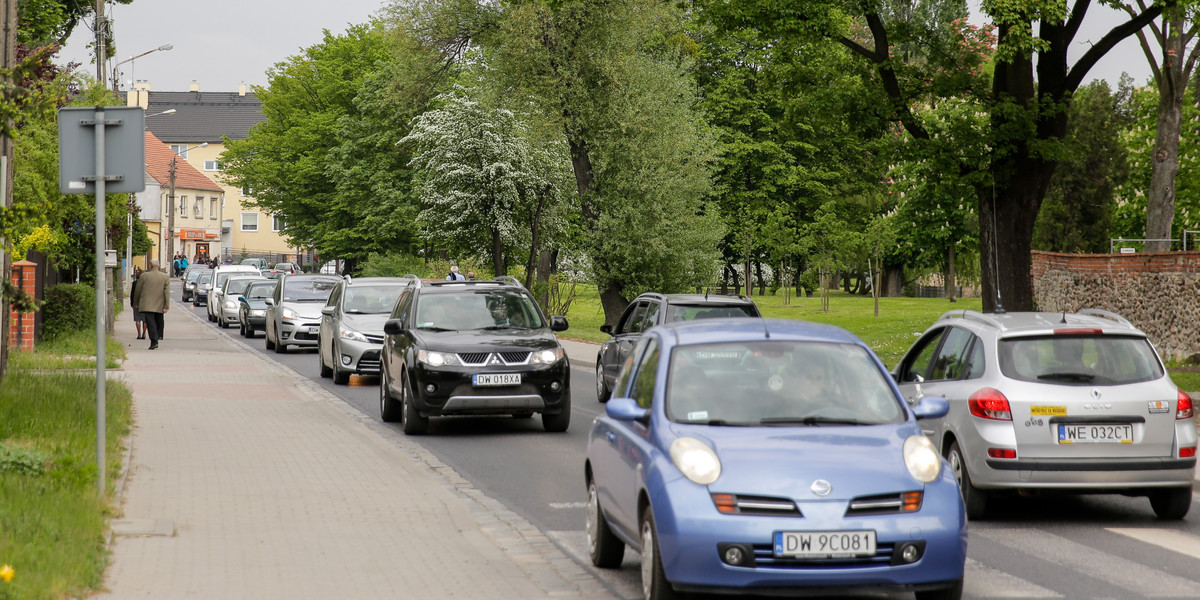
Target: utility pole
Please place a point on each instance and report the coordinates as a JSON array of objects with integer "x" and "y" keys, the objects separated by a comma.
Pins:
[
  {"x": 101, "y": 42},
  {"x": 171, "y": 216},
  {"x": 8, "y": 60}
]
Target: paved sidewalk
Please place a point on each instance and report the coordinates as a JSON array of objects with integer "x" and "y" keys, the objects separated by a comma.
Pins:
[{"x": 245, "y": 480}]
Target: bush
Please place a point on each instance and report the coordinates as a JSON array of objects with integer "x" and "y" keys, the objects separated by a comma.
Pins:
[
  {"x": 392, "y": 265},
  {"x": 68, "y": 307}
]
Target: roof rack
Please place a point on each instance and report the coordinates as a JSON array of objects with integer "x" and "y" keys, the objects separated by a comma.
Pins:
[
  {"x": 1112, "y": 316},
  {"x": 655, "y": 295},
  {"x": 415, "y": 280},
  {"x": 509, "y": 279},
  {"x": 976, "y": 316}
]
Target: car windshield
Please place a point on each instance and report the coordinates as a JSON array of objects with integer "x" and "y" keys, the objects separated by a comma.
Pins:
[
  {"x": 235, "y": 287},
  {"x": 308, "y": 290},
  {"x": 194, "y": 275},
  {"x": 260, "y": 290},
  {"x": 204, "y": 278},
  {"x": 372, "y": 299},
  {"x": 1079, "y": 359},
  {"x": 779, "y": 383},
  {"x": 691, "y": 312},
  {"x": 478, "y": 309}
]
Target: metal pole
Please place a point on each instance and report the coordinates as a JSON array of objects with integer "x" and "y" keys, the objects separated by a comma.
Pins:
[
  {"x": 171, "y": 216},
  {"x": 101, "y": 436}
]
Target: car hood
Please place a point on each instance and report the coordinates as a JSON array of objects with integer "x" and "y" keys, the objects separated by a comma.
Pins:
[
  {"x": 256, "y": 303},
  {"x": 479, "y": 340},
  {"x": 366, "y": 323},
  {"x": 785, "y": 461},
  {"x": 306, "y": 310}
]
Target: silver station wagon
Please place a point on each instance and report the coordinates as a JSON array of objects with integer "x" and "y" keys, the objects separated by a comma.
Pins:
[{"x": 1075, "y": 402}]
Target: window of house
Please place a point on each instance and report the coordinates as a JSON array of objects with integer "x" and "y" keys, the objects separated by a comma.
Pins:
[
  {"x": 198, "y": 207},
  {"x": 180, "y": 149},
  {"x": 212, "y": 165},
  {"x": 212, "y": 208},
  {"x": 249, "y": 221},
  {"x": 183, "y": 206},
  {"x": 247, "y": 190},
  {"x": 276, "y": 224}
]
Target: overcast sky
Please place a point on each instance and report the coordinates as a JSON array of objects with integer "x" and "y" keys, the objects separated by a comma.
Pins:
[{"x": 220, "y": 44}]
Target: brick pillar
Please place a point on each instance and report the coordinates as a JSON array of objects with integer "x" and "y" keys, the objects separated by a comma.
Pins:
[{"x": 20, "y": 335}]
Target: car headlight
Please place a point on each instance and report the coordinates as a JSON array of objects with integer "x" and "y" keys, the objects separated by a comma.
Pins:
[
  {"x": 288, "y": 314},
  {"x": 695, "y": 460},
  {"x": 231, "y": 305},
  {"x": 546, "y": 357},
  {"x": 922, "y": 460},
  {"x": 437, "y": 359},
  {"x": 349, "y": 334},
  {"x": 258, "y": 313}
]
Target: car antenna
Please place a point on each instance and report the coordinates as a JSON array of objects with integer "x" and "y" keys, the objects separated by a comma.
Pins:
[
  {"x": 706, "y": 294},
  {"x": 766, "y": 332},
  {"x": 1064, "y": 319}
]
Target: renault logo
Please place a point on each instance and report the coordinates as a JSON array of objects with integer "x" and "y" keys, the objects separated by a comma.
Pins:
[
  {"x": 821, "y": 487},
  {"x": 1095, "y": 394}
]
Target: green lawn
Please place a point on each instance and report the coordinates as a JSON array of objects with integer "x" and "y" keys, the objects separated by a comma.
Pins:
[
  {"x": 890, "y": 334},
  {"x": 53, "y": 522}
]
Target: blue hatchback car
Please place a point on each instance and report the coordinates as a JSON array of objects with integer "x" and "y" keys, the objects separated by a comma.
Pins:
[{"x": 753, "y": 456}]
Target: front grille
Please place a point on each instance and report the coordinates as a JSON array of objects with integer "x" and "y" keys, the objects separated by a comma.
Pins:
[
  {"x": 369, "y": 361},
  {"x": 882, "y": 504},
  {"x": 488, "y": 358},
  {"x": 374, "y": 339},
  {"x": 764, "y": 556}
]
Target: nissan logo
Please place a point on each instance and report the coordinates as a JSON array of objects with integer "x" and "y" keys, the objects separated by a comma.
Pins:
[{"x": 821, "y": 487}]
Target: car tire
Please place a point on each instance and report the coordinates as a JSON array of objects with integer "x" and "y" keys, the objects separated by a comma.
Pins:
[
  {"x": 389, "y": 409},
  {"x": 411, "y": 421},
  {"x": 241, "y": 328},
  {"x": 340, "y": 377},
  {"x": 222, "y": 323},
  {"x": 605, "y": 549},
  {"x": 974, "y": 498},
  {"x": 951, "y": 592},
  {"x": 326, "y": 372},
  {"x": 1171, "y": 504},
  {"x": 560, "y": 422},
  {"x": 269, "y": 343},
  {"x": 280, "y": 348},
  {"x": 602, "y": 391},
  {"x": 654, "y": 580}
]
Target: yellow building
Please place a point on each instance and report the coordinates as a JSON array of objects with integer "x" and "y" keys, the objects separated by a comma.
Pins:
[{"x": 194, "y": 125}]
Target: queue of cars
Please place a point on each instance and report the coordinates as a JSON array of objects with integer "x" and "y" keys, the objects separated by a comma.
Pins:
[{"x": 739, "y": 454}]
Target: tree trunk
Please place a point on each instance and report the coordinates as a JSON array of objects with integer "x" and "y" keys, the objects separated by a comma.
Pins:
[
  {"x": 762, "y": 284},
  {"x": 1172, "y": 85},
  {"x": 949, "y": 279},
  {"x": 533, "y": 244},
  {"x": 544, "y": 269},
  {"x": 892, "y": 285},
  {"x": 497, "y": 252},
  {"x": 1005, "y": 259},
  {"x": 613, "y": 302}
]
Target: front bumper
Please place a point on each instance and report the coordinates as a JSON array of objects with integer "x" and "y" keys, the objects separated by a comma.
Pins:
[
  {"x": 449, "y": 390},
  {"x": 299, "y": 333},
  {"x": 692, "y": 536},
  {"x": 358, "y": 357}
]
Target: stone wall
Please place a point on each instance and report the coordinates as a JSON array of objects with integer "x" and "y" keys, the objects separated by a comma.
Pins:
[{"x": 1158, "y": 292}]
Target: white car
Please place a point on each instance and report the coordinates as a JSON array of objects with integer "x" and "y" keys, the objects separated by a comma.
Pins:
[{"x": 220, "y": 274}]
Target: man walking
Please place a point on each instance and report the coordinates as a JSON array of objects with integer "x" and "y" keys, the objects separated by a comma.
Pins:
[{"x": 153, "y": 299}]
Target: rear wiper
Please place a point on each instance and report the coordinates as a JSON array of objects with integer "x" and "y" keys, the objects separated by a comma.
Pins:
[
  {"x": 810, "y": 421},
  {"x": 1068, "y": 376}
]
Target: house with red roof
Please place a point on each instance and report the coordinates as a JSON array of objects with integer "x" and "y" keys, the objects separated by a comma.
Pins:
[{"x": 181, "y": 207}]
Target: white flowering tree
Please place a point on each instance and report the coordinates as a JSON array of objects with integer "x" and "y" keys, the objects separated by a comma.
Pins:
[{"x": 485, "y": 183}]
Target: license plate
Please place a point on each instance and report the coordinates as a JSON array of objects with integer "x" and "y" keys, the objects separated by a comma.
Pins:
[
  {"x": 314, "y": 329},
  {"x": 483, "y": 379},
  {"x": 824, "y": 544},
  {"x": 1095, "y": 434}
]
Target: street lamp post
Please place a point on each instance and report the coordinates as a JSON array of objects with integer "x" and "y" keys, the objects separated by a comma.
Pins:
[
  {"x": 171, "y": 201},
  {"x": 116, "y": 79}
]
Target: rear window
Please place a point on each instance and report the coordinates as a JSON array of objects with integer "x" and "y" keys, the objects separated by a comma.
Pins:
[
  {"x": 1080, "y": 359},
  {"x": 685, "y": 312}
]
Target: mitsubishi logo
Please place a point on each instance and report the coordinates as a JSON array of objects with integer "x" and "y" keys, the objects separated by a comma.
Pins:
[
  {"x": 494, "y": 359},
  {"x": 821, "y": 487}
]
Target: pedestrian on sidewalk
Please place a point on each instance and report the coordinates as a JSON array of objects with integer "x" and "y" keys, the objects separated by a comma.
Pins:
[
  {"x": 153, "y": 299},
  {"x": 139, "y": 321}
]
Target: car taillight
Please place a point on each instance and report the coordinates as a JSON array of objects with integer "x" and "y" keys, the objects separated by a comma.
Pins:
[
  {"x": 1183, "y": 407},
  {"x": 1187, "y": 452},
  {"x": 989, "y": 403}
]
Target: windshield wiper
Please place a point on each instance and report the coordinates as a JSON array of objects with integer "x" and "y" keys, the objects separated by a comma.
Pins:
[
  {"x": 432, "y": 328},
  {"x": 719, "y": 423},
  {"x": 1068, "y": 376},
  {"x": 810, "y": 421},
  {"x": 495, "y": 327}
]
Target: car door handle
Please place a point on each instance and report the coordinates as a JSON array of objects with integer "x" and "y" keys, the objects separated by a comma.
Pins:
[{"x": 612, "y": 437}]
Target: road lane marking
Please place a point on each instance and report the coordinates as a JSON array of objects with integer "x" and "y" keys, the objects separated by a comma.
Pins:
[
  {"x": 568, "y": 505},
  {"x": 1175, "y": 541},
  {"x": 982, "y": 581}
]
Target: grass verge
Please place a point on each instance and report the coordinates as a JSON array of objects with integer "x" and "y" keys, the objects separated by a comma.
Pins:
[
  {"x": 52, "y": 521},
  {"x": 67, "y": 352}
]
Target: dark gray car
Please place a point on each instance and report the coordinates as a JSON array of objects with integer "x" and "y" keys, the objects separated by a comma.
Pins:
[{"x": 651, "y": 309}]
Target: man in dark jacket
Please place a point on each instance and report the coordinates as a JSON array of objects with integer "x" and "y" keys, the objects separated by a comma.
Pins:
[{"x": 153, "y": 299}]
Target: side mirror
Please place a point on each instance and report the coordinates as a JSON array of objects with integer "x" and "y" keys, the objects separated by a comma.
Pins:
[
  {"x": 931, "y": 407},
  {"x": 269, "y": 301},
  {"x": 241, "y": 298},
  {"x": 329, "y": 310},
  {"x": 393, "y": 326},
  {"x": 626, "y": 409},
  {"x": 606, "y": 328},
  {"x": 558, "y": 323}
]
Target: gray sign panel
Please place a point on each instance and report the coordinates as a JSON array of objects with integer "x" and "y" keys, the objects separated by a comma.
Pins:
[{"x": 124, "y": 149}]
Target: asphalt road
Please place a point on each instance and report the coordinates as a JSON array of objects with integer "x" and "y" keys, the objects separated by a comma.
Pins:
[{"x": 1046, "y": 547}]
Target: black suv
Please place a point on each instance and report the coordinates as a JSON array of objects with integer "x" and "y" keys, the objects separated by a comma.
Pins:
[
  {"x": 472, "y": 348},
  {"x": 651, "y": 309}
]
